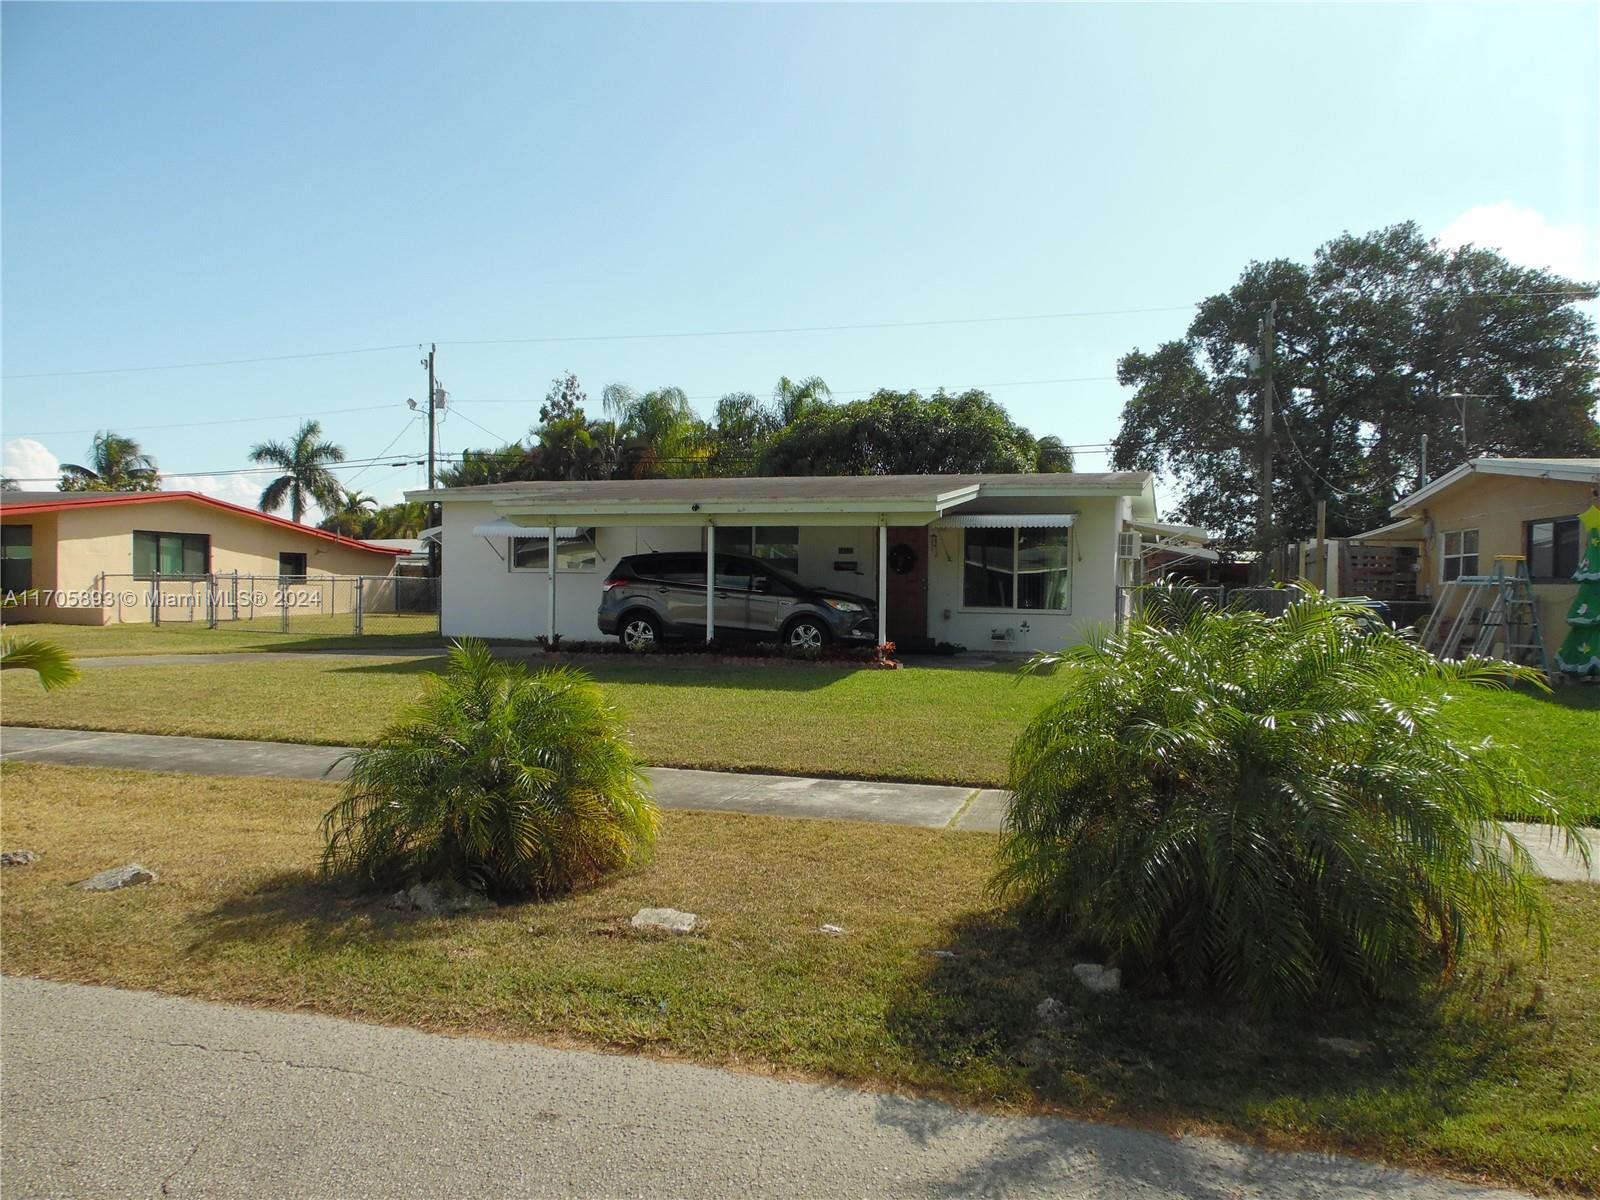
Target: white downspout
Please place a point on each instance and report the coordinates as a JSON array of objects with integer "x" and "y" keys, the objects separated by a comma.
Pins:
[
  {"x": 711, "y": 580},
  {"x": 550, "y": 590}
]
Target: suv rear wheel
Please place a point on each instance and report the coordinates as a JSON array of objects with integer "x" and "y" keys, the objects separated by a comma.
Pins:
[
  {"x": 639, "y": 631},
  {"x": 806, "y": 633}
]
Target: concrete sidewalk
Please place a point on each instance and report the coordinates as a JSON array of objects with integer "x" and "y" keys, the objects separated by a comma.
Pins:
[
  {"x": 110, "y": 1093},
  {"x": 931, "y": 806}
]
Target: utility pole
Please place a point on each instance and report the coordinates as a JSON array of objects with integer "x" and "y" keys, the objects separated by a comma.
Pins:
[
  {"x": 433, "y": 505},
  {"x": 1322, "y": 544},
  {"x": 1264, "y": 518}
]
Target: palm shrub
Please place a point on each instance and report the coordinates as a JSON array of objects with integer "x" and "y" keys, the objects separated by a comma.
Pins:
[
  {"x": 513, "y": 783},
  {"x": 1274, "y": 811}
]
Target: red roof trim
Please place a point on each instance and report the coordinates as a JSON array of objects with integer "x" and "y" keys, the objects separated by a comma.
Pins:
[{"x": 112, "y": 499}]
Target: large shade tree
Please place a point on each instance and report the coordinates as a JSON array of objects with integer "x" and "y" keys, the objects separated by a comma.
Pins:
[
  {"x": 903, "y": 433},
  {"x": 116, "y": 464},
  {"x": 306, "y": 461},
  {"x": 1380, "y": 340}
]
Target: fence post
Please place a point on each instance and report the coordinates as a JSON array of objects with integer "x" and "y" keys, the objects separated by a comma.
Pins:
[
  {"x": 283, "y": 606},
  {"x": 211, "y": 601},
  {"x": 236, "y": 593},
  {"x": 155, "y": 597},
  {"x": 360, "y": 584}
]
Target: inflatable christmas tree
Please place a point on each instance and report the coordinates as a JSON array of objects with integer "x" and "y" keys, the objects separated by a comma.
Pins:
[{"x": 1580, "y": 653}]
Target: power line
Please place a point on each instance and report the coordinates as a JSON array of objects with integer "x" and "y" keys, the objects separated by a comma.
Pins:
[
  {"x": 218, "y": 362},
  {"x": 326, "y": 412},
  {"x": 404, "y": 429}
]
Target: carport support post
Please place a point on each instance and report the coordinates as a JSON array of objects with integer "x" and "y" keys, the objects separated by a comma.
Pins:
[
  {"x": 883, "y": 581},
  {"x": 711, "y": 580},
  {"x": 550, "y": 590}
]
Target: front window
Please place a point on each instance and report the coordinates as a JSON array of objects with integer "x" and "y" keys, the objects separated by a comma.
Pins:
[
  {"x": 575, "y": 551},
  {"x": 16, "y": 558},
  {"x": 1553, "y": 549},
  {"x": 776, "y": 545},
  {"x": 292, "y": 567},
  {"x": 170, "y": 553},
  {"x": 1460, "y": 554},
  {"x": 1026, "y": 570}
]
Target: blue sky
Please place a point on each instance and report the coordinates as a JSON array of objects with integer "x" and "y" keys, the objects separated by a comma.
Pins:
[{"x": 197, "y": 182}]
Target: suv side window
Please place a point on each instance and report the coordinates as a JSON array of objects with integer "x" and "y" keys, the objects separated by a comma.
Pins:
[
  {"x": 765, "y": 581},
  {"x": 685, "y": 570}
]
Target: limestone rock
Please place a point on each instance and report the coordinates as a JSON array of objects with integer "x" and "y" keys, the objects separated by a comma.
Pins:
[
  {"x": 117, "y": 877},
  {"x": 1050, "y": 1012},
  {"x": 1102, "y": 981},
  {"x": 18, "y": 858},
  {"x": 441, "y": 898},
  {"x": 665, "y": 920}
]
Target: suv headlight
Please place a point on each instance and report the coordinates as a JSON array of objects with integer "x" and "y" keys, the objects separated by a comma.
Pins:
[{"x": 844, "y": 605}]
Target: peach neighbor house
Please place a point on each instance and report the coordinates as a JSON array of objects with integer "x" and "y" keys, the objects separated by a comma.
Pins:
[{"x": 90, "y": 558}]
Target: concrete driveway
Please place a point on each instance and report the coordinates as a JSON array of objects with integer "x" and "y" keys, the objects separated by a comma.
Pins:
[{"x": 125, "y": 1094}]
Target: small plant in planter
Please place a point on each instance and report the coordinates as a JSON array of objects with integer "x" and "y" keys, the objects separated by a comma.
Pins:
[
  {"x": 1274, "y": 811},
  {"x": 511, "y": 783}
]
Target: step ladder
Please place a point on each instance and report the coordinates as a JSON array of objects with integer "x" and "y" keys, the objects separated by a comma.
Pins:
[{"x": 1491, "y": 616}]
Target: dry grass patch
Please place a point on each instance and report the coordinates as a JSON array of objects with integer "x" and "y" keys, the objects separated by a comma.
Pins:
[{"x": 1500, "y": 1076}]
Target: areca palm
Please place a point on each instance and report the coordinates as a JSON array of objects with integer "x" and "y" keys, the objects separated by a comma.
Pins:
[
  {"x": 48, "y": 661},
  {"x": 353, "y": 516},
  {"x": 515, "y": 783},
  {"x": 796, "y": 397},
  {"x": 1273, "y": 810},
  {"x": 116, "y": 464},
  {"x": 305, "y": 461}
]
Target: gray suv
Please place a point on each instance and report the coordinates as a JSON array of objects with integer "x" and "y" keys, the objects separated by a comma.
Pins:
[{"x": 649, "y": 597}]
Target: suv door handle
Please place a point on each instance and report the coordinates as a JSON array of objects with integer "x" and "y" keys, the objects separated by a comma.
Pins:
[
  {"x": 663, "y": 590},
  {"x": 721, "y": 595}
]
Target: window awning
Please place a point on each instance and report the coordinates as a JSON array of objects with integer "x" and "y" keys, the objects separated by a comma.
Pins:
[
  {"x": 502, "y": 527},
  {"x": 1007, "y": 521}
]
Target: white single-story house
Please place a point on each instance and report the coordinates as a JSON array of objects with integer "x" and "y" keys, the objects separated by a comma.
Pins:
[{"x": 1006, "y": 562}]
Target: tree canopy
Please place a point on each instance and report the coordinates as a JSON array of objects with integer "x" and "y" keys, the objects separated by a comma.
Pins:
[
  {"x": 306, "y": 461},
  {"x": 799, "y": 430},
  {"x": 1381, "y": 339}
]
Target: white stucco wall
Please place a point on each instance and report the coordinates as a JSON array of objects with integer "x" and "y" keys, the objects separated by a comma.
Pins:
[{"x": 1093, "y": 586}]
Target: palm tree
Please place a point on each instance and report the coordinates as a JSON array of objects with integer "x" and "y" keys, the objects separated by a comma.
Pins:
[
  {"x": 1051, "y": 454},
  {"x": 48, "y": 661},
  {"x": 508, "y": 782},
  {"x": 353, "y": 517},
  {"x": 1275, "y": 810},
  {"x": 796, "y": 397},
  {"x": 116, "y": 465},
  {"x": 306, "y": 476},
  {"x": 399, "y": 521}
]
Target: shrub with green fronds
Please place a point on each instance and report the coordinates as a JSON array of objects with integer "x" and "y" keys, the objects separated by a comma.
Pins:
[
  {"x": 1268, "y": 810},
  {"x": 514, "y": 783}
]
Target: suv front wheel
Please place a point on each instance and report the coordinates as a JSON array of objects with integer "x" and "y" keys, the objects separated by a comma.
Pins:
[
  {"x": 640, "y": 631},
  {"x": 806, "y": 633}
]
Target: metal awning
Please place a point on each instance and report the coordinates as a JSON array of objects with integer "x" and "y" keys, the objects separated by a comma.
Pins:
[
  {"x": 1007, "y": 521},
  {"x": 502, "y": 527}
]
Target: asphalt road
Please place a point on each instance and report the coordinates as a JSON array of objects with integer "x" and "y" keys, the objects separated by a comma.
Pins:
[{"x": 110, "y": 1094}]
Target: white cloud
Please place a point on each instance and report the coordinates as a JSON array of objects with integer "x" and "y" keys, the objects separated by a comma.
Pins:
[
  {"x": 1525, "y": 236},
  {"x": 31, "y": 463},
  {"x": 243, "y": 490}
]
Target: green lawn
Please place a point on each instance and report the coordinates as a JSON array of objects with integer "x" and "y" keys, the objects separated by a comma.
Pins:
[
  {"x": 933, "y": 724},
  {"x": 306, "y": 632},
  {"x": 1497, "y": 1077}
]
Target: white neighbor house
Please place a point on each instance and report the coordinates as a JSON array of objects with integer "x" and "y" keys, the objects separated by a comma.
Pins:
[{"x": 1004, "y": 562}]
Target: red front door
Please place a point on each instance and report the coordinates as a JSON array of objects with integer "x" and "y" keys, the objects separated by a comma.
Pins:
[{"x": 908, "y": 583}]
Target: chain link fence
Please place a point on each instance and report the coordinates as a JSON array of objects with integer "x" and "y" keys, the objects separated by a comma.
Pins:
[{"x": 334, "y": 605}]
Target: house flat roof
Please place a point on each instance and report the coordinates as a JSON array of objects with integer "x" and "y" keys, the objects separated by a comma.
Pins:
[
  {"x": 22, "y": 503},
  {"x": 865, "y": 492},
  {"x": 1571, "y": 470}
]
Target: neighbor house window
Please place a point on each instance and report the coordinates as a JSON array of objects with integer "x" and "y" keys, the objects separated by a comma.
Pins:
[
  {"x": 292, "y": 566},
  {"x": 1553, "y": 549},
  {"x": 170, "y": 553},
  {"x": 1028, "y": 570},
  {"x": 1460, "y": 554},
  {"x": 16, "y": 558},
  {"x": 775, "y": 544},
  {"x": 576, "y": 552}
]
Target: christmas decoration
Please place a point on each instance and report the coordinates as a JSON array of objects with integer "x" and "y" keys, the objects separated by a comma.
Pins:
[{"x": 1580, "y": 653}]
